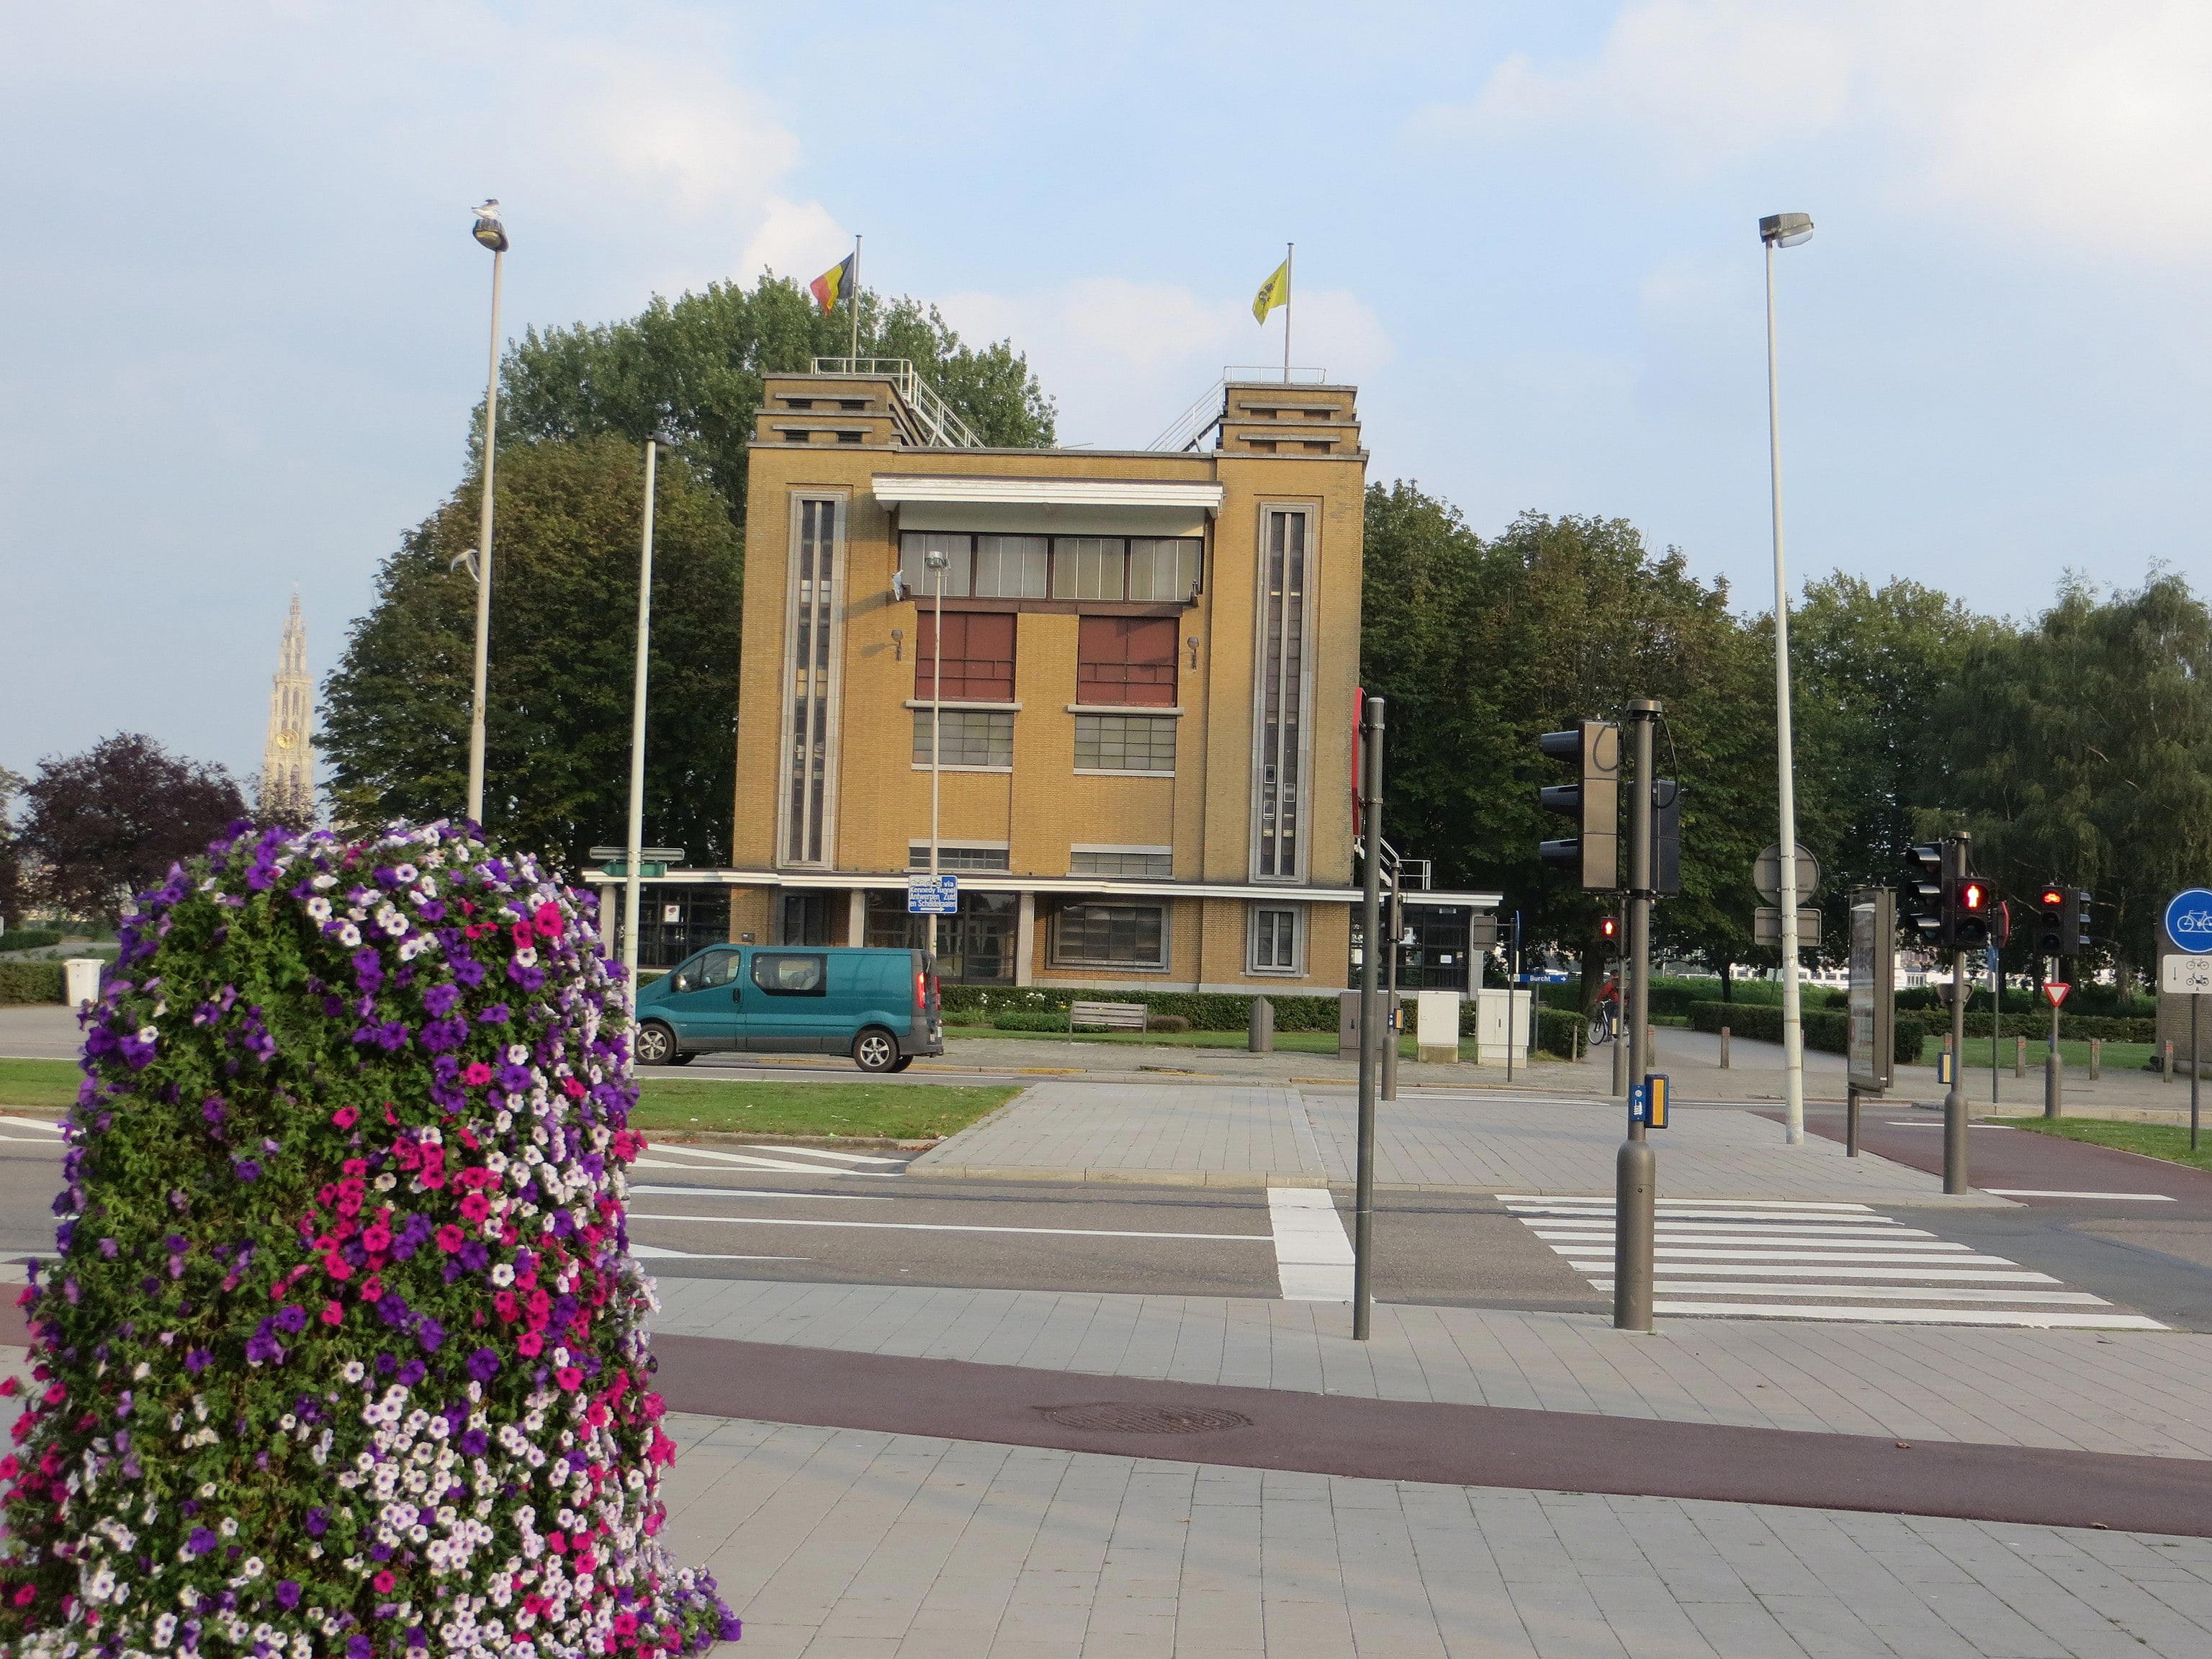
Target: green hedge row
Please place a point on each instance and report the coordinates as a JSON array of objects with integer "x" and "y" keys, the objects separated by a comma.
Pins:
[
  {"x": 29, "y": 939},
  {"x": 31, "y": 981},
  {"x": 1826, "y": 1029},
  {"x": 2035, "y": 1022},
  {"x": 1206, "y": 1011}
]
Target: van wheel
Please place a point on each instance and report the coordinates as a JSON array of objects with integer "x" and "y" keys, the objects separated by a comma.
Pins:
[
  {"x": 656, "y": 1044},
  {"x": 876, "y": 1050}
]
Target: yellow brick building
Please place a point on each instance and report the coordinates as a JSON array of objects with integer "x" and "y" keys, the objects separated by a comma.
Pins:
[{"x": 1149, "y": 663}]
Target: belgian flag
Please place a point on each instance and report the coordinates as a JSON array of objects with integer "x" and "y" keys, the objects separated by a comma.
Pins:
[{"x": 832, "y": 284}]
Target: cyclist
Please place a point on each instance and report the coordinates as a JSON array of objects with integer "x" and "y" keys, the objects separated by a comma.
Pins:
[{"x": 1605, "y": 1019}]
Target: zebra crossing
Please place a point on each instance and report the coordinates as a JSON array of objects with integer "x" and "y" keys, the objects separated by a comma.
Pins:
[
  {"x": 780, "y": 1160},
  {"x": 1773, "y": 1259}
]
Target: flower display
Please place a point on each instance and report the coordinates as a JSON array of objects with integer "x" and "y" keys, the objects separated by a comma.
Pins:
[{"x": 343, "y": 1352}]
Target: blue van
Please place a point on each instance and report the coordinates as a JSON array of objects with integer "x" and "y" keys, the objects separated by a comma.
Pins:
[{"x": 879, "y": 1006}]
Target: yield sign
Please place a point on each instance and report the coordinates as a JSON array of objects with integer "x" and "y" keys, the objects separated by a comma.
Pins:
[{"x": 2056, "y": 989}]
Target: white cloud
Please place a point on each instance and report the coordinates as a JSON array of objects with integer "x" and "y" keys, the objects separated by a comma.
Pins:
[
  {"x": 2081, "y": 126},
  {"x": 1125, "y": 358}
]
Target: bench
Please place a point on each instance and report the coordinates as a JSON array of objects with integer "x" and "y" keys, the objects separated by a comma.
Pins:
[{"x": 1108, "y": 1016}]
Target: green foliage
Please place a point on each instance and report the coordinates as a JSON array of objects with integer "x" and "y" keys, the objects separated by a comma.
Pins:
[
  {"x": 1483, "y": 645},
  {"x": 1027, "y": 1020},
  {"x": 32, "y": 981},
  {"x": 1826, "y": 1029},
  {"x": 28, "y": 939},
  {"x": 1560, "y": 1030},
  {"x": 564, "y": 593},
  {"x": 694, "y": 366}
]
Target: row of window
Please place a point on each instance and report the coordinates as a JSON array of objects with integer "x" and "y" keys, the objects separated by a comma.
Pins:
[
  {"x": 983, "y": 739},
  {"x": 1155, "y": 863},
  {"x": 977, "y": 945},
  {"x": 1157, "y": 569},
  {"x": 1118, "y": 660}
]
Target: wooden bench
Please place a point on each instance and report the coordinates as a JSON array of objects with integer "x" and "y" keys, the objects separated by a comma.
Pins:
[{"x": 1108, "y": 1016}]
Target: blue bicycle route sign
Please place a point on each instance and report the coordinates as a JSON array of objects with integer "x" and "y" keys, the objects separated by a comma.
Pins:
[{"x": 2189, "y": 921}]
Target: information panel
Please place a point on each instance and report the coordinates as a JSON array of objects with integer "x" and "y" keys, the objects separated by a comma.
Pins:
[{"x": 1872, "y": 1040}]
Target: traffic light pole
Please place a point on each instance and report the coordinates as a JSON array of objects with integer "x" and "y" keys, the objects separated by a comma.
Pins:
[
  {"x": 1371, "y": 915},
  {"x": 2053, "y": 1068},
  {"x": 1954, "y": 1103},
  {"x": 1636, "y": 1168}
]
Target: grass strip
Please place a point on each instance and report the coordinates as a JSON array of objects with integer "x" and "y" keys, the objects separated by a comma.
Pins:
[
  {"x": 2169, "y": 1142},
  {"x": 738, "y": 1106}
]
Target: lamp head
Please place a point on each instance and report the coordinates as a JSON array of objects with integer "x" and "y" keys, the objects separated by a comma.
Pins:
[
  {"x": 936, "y": 558},
  {"x": 1786, "y": 229},
  {"x": 488, "y": 230}
]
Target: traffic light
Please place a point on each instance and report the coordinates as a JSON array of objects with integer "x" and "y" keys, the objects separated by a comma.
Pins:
[
  {"x": 1923, "y": 894},
  {"x": 1594, "y": 802},
  {"x": 1666, "y": 837},
  {"x": 1608, "y": 929},
  {"x": 1970, "y": 909},
  {"x": 1949, "y": 909},
  {"x": 2062, "y": 921}
]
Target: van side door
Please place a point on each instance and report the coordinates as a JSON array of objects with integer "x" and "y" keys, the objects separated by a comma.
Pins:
[{"x": 789, "y": 1011}]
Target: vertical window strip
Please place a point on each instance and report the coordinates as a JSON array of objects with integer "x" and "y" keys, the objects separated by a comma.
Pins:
[
  {"x": 812, "y": 574},
  {"x": 1282, "y": 710}
]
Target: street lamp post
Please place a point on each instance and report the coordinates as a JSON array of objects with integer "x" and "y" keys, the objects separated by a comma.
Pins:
[
  {"x": 1785, "y": 230},
  {"x": 492, "y": 233},
  {"x": 936, "y": 559},
  {"x": 634, "y": 849}
]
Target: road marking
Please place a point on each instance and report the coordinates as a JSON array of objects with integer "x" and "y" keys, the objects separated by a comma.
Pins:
[
  {"x": 743, "y": 1160},
  {"x": 2037, "y": 1192},
  {"x": 32, "y": 1123},
  {"x": 1313, "y": 1257},
  {"x": 813, "y": 1152},
  {"x": 655, "y": 1253},
  {"x": 744, "y": 1192},
  {"x": 1785, "y": 1264},
  {"x": 1916, "y": 1123},
  {"x": 953, "y": 1227},
  {"x": 1755, "y": 1206},
  {"x": 2024, "y": 1316}
]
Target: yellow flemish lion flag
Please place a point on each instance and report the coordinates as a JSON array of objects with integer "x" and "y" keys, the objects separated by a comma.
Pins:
[
  {"x": 1275, "y": 291},
  {"x": 829, "y": 286}
]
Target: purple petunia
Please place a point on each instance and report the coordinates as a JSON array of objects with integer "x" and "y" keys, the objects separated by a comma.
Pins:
[
  {"x": 484, "y": 1364},
  {"x": 201, "y": 1540},
  {"x": 439, "y": 999},
  {"x": 246, "y": 1168},
  {"x": 198, "y": 1360}
]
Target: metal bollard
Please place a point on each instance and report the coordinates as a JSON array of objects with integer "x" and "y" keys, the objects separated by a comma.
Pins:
[
  {"x": 1725, "y": 1048},
  {"x": 2019, "y": 1057},
  {"x": 1260, "y": 1032},
  {"x": 2096, "y": 1058}
]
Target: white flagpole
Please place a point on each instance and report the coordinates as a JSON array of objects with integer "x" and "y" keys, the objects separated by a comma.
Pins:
[
  {"x": 1289, "y": 248},
  {"x": 854, "y": 365}
]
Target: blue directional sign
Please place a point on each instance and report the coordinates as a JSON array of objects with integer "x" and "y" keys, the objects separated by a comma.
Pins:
[
  {"x": 940, "y": 896},
  {"x": 2189, "y": 921}
]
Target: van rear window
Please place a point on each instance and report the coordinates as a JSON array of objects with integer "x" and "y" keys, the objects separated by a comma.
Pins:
[{"x": 789, "y": 973}]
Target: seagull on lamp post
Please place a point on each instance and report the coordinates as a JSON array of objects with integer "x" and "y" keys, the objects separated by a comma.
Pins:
[{"x": 489, "y": 229}]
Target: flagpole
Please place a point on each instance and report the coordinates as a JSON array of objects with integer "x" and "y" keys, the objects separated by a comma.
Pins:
[
  {"x": 855, "y": 364},
  {"x": 1289, "y": 249}
]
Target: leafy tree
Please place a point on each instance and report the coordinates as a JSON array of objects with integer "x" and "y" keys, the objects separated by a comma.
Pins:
[
  {"x": 1872, "y": 669},
  {"x": 11, "y": 856},
  {"x": 564, "y": 592},
  {"x": 2081, "y": 750},
  {"x": 694, "y": 365},
  {"x": 1484, "y": 646},
  {"x": 104, "y": 825}
]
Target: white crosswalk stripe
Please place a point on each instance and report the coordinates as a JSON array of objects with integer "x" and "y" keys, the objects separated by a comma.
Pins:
[
  {"x": 1844, "y": 1262},
  {"x": 677, "y": 1155}
]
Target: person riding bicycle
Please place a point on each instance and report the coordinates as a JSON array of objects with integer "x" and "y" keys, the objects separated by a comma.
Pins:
[{"x": 1605, "y": 1017}]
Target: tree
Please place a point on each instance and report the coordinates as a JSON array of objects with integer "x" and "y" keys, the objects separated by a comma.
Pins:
[
  {"x": 564, "y": 590},
  {"x": 2080, "y": 749},
  {"x": 106, "y": 825},
  {"x": 694, "y": 365},
  {"x": 1484, "y": 646},
  {"x": 1873, "y": 669},
  {"x": 11, "y": 856}
]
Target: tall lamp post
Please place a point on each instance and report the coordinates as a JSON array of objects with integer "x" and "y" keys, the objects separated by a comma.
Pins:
[
  {"x": 936, "y": 559},
  {"x": 1785, "y": 230},
  {"x": 493, "y": 234},
  {"x": 634, "y": 849}
]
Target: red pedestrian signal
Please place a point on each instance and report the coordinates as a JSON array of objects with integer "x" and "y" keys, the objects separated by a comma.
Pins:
[{"x": 1608, "y": 929}]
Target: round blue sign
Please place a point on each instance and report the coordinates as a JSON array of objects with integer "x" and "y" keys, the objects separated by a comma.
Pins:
[{"x": 2189, "y": 921}]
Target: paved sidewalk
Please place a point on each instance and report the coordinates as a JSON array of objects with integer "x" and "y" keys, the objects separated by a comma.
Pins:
[
  {"x": 839, "y": 1544},
  {"x": 1218, "y": 1135},
  {"x": 2077, "y": 1390}
]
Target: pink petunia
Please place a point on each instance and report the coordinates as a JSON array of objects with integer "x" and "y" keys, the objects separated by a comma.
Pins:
[
  {"x": 451, "y": 1238},
  {"x": 475, "y": 1206},
  {"x": 333, "y": 1313},
  {"x": 476, "y": 1074},
  {"x": 529, "y": 1344},
  {"x": 345, "y": 1117},
  {"x": 385, "y": 1581},
  {"x": 569, "y": 1378},
  {"x": 549, "y": 922}
]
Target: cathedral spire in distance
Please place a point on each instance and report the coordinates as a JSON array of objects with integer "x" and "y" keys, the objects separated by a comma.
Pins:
[{"x": 287, "y": 757}]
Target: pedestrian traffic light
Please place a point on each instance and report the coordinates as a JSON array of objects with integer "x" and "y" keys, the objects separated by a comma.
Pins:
[
  {"x": 1593, "y": 747},
  {"x": 1970, "y": 909},
  {"x": 1949, "y": 909},
  {"x": 1608, "y": 929},
  {"x": 1666, "y": 837}
]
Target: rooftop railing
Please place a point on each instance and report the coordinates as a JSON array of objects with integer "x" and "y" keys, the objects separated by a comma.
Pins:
[
  {"x": 1192, "y": 426},
  {"x": 936, "y": 423}
]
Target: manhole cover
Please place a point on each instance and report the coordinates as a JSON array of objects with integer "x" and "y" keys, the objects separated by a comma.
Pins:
[{"x": 1130, "y": 1419}]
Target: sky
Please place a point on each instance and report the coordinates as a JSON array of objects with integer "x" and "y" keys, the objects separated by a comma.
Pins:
[{"x": 244, "y": 324}]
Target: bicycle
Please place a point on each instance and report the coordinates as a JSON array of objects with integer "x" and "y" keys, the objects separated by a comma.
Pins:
[{"x": 1604, "y": 1024}]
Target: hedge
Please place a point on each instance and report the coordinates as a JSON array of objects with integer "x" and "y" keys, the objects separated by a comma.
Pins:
[
  {"x": 1826, "y": 1029},
  {"x": 31, "y": 981},
  {"x": 29, "y": 939},
  {"x": 1205, "y": 1010}
]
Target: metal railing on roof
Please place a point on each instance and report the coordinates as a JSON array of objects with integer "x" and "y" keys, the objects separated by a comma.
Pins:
[
  {"x": 936, "y": 423},
  {"x": 1192, "y": 427}
]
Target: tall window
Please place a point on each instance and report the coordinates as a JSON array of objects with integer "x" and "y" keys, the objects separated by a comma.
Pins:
[
  {"x": 1280, "y": 716},
  {"x": 979, "y": 656},
  {"x": 1125, "y": 742},
  {"x": 968, "y": 737},
  {"x": 1111, "y": 936},
  {"x": 1126, "y": 660},
  {"x": 807, "y": 672}
]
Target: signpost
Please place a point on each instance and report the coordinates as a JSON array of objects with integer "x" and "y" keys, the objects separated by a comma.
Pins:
[
  {"x": 933, "y": 895},
  {"x": 2189, "y": 925},
  {"x": 1870, "y": 1037},
  {"x": 2054, "y": 992}
]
